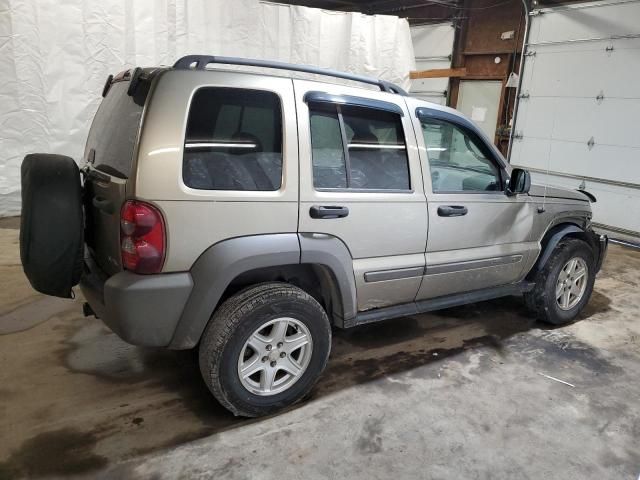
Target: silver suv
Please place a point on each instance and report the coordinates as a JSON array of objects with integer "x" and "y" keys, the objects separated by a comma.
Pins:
[{"x": 247, "y": 214}]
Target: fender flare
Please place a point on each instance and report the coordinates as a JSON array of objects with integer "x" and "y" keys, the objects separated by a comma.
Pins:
[
  {"x": 552, "y": 242},
  {"x": 331, "y": 252},
  {"x": 221, "y": 263}
]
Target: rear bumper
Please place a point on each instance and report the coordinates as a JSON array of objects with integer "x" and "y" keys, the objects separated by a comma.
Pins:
[{"x": 141, "y": 309}]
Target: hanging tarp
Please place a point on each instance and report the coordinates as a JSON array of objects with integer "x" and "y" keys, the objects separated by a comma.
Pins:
[{"x": 55, "y": 57}]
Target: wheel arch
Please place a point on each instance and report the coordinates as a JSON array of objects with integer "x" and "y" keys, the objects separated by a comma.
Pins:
[
  {"x": 319, "y": 264},
  {"x": 554, "y": 236}
]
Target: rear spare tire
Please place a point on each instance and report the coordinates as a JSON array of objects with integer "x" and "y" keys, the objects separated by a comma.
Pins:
[{"x": 51, "y": 226}]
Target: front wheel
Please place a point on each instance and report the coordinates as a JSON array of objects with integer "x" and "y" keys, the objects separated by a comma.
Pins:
[
  {"x": 564, "y": 286},
  {"x": 265, "y": 348}
]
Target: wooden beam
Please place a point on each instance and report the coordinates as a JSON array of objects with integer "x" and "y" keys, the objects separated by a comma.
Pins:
[{"x": 439, "y": 73}]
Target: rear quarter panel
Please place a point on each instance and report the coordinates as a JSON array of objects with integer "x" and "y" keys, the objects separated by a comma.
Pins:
[{"x": 197, "y": 219}]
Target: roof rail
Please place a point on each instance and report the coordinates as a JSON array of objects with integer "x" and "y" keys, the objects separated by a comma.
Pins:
[{"x": 200, "y": 62}]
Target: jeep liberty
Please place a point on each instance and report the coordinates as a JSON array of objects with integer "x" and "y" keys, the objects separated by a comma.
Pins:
[{"x": 247, "y": 214}]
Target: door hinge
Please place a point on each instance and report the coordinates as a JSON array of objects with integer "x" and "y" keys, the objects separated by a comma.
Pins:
[
  {"x": 524, "y": 95},
  {"x": 518, "y": 135},
  {"x": 535, "y": 13},
  {"x": 530, "y": 53}
]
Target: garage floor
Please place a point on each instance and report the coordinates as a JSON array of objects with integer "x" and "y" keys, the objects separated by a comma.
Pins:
[{"x": 464, "y": 393}]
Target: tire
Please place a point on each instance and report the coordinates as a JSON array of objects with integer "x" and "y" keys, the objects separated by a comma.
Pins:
[
  {"x": 542, "y": 300},
  {"x": 244, "y": 316},
  {"x": 51, "y": 224}
]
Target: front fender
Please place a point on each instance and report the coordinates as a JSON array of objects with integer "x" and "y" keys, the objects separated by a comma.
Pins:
[{"x": 599, "y": 244}]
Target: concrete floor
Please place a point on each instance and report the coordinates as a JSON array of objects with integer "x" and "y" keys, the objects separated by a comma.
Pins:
[{"x": 455, "y": 394}]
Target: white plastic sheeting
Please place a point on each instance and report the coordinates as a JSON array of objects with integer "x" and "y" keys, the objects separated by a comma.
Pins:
[{"x": 55, "y": 57}]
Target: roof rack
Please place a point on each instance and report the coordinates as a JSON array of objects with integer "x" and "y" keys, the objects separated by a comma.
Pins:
[{"x": 200, "y": 62}]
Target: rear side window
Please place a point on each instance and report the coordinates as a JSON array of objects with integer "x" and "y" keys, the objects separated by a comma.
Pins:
[
  {"x": 113, "y": 133},
  {"x": 233, "y": 140},
  {"x": 358, "y": 148}
]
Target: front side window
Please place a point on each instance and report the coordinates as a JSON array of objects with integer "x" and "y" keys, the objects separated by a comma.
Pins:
[
  {"x": 456, "y": 160},
  {"x": 357, "y": 148},
  {"x": 233, "y": 140}
]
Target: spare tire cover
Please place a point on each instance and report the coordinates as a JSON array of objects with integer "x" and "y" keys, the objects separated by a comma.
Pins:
[{"x": 51, "y": 226}]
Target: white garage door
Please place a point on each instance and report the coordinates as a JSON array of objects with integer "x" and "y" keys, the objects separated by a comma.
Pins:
[
  {"x": 578, "y": 123},
  {"x": 433, "y": 47}
]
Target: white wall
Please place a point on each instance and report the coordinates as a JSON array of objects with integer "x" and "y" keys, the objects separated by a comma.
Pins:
[{"x": 55, "y": 57}]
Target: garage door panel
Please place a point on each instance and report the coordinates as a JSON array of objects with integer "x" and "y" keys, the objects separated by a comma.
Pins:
[
  {"x": 532, "y": 153},
  {"x": 593, "y": 45},
  {"x": 613, "y": 163},
  {"x": 548, "y": 76},
  {"x": 574, "y": 72},
  {"x": 432, "y": 46},
  {"x": 577, "y": 22},
  {"x": 431, "y": 88},
  {"x": 537, "y": 114},
  {"x": 613, "y": 121}
]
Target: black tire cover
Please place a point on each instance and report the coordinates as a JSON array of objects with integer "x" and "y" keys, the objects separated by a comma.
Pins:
[{"x": 51, "y": 226}]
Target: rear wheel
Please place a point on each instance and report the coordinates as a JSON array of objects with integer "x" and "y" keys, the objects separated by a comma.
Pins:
[
  {"x": 564, "y": 286},
  {"x": 265, "y": 348}
]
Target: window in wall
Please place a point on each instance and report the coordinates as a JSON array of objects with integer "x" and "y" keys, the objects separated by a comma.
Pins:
[
  {"x": 233, "y": 141},
  {"x": 358, "y": 148},
  {"x": 456, "y": 160}
]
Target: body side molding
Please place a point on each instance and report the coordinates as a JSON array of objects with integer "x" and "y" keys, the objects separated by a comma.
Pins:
[{"x": 472, "y": 264}]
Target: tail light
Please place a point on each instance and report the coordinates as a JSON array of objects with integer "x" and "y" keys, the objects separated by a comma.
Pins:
[{"x": 142, "y": 237}]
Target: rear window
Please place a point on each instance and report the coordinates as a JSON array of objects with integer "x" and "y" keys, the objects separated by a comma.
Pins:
[
  {"x": 113, "y": 133},
  {"x": 233, "y": 141}
]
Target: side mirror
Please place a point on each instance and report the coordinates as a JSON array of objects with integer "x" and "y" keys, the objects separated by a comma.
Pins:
[{"x": 520, "y": 182}]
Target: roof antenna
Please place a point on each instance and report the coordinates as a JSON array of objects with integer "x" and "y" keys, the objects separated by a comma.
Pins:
[{"x": 541, "y": 208}]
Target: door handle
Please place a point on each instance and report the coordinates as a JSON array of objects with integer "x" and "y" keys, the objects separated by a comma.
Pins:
[
  {"x": 452, "y": 211},
  {"x": 103, "y": 204},
  {"x": 328, "y": 211}
]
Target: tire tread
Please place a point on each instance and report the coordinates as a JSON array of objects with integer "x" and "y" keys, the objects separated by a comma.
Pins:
[
  {"x": 537, "y": 300},
  {"x": 227, "y": 319}
]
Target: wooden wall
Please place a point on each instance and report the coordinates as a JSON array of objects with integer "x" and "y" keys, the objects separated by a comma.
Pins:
[{"x": 479, "y": 25}]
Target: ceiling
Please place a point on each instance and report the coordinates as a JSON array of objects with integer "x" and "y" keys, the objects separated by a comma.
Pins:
[
  {"x": 392, "y": 7},
  {"x": 418, "y": 11}
]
